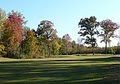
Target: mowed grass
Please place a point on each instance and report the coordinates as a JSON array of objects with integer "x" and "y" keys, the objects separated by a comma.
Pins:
[{"x": 67, "y": 70}]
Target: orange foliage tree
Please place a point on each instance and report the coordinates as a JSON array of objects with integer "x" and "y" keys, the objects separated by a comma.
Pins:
[{"x": 13, "y": 33}]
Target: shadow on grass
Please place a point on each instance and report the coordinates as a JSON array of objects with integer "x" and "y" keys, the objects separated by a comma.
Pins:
[
  {"x": 113, "y": 59},
  {"x": 40, "y": 72},
  {"x": 109, "y": 59}
]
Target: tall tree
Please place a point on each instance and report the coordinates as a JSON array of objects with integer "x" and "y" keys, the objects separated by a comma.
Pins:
[
  {"x": 55, "y": 48},
  {"x": 13, "y": 32},
  {"x": 2, "y": 20},
  {"x": 47, "y": 34},
  {"x": 2, "y": 26},
  {"x": 29, "y": 44},
  {"x": 62, "y": 48},
  {"x": 88, "y": 30},
  {"x": 74, "y": 47},
  {"x": 108, "y": 29},
  {"x": 67, "y": 43}
]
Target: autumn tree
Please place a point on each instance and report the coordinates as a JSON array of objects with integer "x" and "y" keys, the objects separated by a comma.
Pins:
[
  {"x": 67, "y": 43},
  {"x": 47, "y": 34},
  {"x": 55, "y": 48},
  {"x": 24, "y": 32},
  {"x": 88, "y": 30},
  {"x": 2, "y": 26},
  {"x": 108, "y": 29},
  {"x": 61, "y": 44},
  {"x": 13, "y": 33},
  {"x": 29, "y": 45},
  {"x": 74, "y": 47},
  {"x": 2, "y": 20}
]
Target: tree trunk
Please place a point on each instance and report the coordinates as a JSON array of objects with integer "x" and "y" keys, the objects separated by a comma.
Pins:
[
  {"x": 93, "y": 50},
  {"x": 106, "y": 47},
  {"x": 66, "y": 50},
  {"x": 49, "y": 51},
  {"x": 93, "y": 45},
  {"x": 106, "y": 42}
]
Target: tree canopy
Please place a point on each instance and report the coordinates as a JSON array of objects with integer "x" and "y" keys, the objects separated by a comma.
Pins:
[
  {"x": 88, "y": 30},
  {"x": 108, "y": 30}
]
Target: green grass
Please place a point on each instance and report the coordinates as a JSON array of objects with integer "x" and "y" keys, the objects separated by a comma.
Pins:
[{"x": 67, "y": 70}]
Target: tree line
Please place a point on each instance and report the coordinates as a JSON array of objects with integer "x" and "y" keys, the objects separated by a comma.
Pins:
[
  {"x": 89, "y": 28},
  {"x": 19, "y": 41}
]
